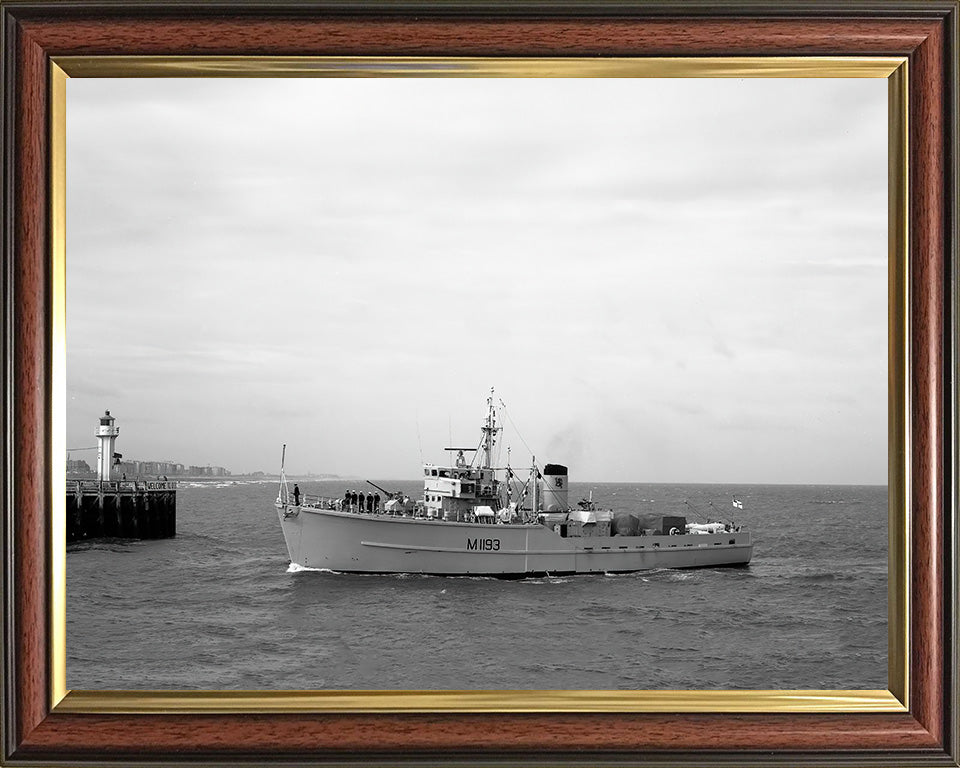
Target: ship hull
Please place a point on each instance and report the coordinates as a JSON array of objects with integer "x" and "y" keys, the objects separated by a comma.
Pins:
[{"x": 357, "y": 543}]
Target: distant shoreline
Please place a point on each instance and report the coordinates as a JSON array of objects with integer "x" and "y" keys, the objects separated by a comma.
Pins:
[
  {"x": 353, "y": 479},
  {"x": 579, "y": 482}
]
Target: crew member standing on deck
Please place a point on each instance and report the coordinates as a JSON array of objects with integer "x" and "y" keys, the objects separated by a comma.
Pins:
[{"x": 296, "y": 495}]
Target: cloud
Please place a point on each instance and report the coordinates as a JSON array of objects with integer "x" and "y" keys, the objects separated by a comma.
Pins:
[{"x": 641, "y": 267}]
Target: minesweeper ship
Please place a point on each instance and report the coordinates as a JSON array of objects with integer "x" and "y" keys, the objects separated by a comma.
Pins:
[{"x": 474, "y": 520}]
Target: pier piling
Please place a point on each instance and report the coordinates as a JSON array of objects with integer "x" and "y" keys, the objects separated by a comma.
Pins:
[{"x": 125, "y": 509}]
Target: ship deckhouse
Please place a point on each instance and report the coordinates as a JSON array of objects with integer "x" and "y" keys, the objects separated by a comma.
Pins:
[
  {"x": 458, "y": 489},
  {"x": 466, "y": 488}
]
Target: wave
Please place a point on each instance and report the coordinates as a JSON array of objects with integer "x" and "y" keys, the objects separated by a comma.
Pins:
[
  {"x": 104, "y": 545},
  {"x": 221, "y": 483},
  {"x": 295, "y": 568}
]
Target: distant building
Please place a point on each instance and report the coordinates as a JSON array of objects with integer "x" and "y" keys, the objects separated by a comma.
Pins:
[
  {"x": 133, "y": 469},
  {"x": 160, "y": 468},
  {"x": 78, "y": 467},
  {"x": 129, "y": 469},
  {"x": 207, "y": 471}
]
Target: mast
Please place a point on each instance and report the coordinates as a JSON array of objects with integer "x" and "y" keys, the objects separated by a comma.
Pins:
[
  {"x": 536, "y": 488},
  {"x": 509, "y": 479},
  {"x": 283, "y": 494},
  {"x": 490, "y": 430}
]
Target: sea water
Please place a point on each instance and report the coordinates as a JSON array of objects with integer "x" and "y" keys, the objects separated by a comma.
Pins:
[{"x": 218, "y": 607}]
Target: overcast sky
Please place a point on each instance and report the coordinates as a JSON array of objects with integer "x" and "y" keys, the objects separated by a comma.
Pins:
[{"x": 666, "y": 280}]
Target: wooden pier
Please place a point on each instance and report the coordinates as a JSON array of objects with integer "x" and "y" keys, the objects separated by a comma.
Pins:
[{"x": 122, "y": 509}]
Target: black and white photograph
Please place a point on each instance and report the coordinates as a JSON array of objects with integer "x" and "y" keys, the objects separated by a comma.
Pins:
[{"x": 434, "y": 383}]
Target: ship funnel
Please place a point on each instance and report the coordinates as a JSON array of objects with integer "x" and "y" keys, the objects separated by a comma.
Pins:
[{"x": 554, "y": 488}]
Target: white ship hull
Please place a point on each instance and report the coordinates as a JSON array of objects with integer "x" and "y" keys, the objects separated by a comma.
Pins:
[{"x": 379, "y": 543}]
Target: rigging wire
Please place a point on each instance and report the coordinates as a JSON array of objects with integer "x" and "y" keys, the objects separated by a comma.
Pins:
[
  {"x": 697, "y": 511},
  {"x": 720, "y": 516},
  {"x": 706, "y": 518},
  {"x": 503, "y": 406},
  {"x": 476, "y": 455}
]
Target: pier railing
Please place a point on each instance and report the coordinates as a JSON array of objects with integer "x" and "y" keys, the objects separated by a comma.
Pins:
[{"x": 119, "y": 486}]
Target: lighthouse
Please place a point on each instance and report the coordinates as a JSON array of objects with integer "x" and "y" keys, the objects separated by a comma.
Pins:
[
  {"x": 134, "y": 510},
  {"x": 106, "y": 438}
]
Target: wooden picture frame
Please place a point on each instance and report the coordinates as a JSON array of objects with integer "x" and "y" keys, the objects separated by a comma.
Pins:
[{"x": 916, "y": 722}]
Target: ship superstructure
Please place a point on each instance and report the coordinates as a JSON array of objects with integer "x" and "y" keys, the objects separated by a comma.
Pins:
[
  {"x": 470, "y": 491},
  {"x": 478, "y": 519}
]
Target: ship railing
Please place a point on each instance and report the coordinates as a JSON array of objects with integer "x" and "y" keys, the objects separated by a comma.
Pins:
[
  {"x": 336, "y": 504},
  {"x": 418, "y": 509},
  {"x": 319, "y": 502}
]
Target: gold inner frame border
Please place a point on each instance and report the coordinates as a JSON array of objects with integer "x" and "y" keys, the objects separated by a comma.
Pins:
[{"x": 894, "y": 699}]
